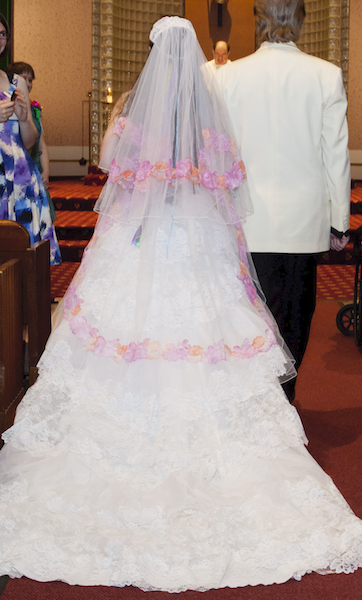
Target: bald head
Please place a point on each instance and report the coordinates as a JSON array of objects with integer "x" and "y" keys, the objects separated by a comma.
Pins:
[{"x": 221, "y": 52}]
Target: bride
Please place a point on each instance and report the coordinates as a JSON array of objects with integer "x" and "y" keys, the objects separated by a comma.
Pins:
[{"x": 157, "y": 448}]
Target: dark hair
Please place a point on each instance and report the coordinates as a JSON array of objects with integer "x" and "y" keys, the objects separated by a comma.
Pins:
[
  {"x": 278, "y": 20},
  {"x": 7, "y": 28},
  {"x": 19, "y": 68},
  {"x": 227, "y": 44}
]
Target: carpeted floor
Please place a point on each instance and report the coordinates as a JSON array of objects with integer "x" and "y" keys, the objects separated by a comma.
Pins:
[
  {"x": 334, "y": 282},
  {"x": 329, "y": 402}
]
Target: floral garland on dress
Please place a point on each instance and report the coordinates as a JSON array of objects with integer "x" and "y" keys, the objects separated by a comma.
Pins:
[{"x": 152, "y": 349}]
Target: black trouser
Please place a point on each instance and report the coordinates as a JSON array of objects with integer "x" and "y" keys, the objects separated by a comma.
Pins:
[{"x": 289, "y": 282}]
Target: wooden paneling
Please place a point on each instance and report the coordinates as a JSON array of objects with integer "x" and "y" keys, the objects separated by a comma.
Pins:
[{"x": 237, "y": 29}]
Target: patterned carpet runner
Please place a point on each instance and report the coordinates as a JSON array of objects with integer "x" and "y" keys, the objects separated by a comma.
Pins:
[{"x": 76, "y": 220}]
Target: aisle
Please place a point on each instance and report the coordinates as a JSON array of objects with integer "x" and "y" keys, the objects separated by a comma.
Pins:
[{"x": 329, "y": 401}]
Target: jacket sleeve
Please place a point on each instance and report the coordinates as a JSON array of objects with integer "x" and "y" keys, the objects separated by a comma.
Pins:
[{"x": 335, "y": 153}]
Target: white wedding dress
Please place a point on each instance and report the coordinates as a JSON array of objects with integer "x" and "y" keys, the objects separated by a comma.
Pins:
[
  {"x": 157, "y": 448},
  {"x": 163, "y": 463}
]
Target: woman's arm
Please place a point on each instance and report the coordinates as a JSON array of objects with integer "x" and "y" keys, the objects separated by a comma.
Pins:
[
  {"x": 6, "y": 110},
  {"x": 44, "y": 160},
  {"x": 22, "y": 110}
]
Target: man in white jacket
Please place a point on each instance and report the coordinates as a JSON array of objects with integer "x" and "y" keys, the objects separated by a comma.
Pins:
[{"x": 289, "y": 114}]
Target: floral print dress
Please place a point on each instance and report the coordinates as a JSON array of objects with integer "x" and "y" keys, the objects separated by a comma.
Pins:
[{"x": 22, "y": 194}]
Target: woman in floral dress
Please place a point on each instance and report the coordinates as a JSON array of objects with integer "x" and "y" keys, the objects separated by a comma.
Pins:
[{"x": 22, "y": 194}]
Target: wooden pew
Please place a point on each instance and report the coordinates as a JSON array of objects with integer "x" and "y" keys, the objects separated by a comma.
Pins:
[
  {"x": 11, "y": 342},
  {"x": 35, "y": 286}
]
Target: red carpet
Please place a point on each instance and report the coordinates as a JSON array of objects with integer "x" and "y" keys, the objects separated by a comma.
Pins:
[{"x": 329, "y": 401}]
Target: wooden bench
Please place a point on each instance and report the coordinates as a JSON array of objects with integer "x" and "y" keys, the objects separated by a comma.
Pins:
[
  {"x": 11, "y": 342},
  {"x": 35, "y": 286}
]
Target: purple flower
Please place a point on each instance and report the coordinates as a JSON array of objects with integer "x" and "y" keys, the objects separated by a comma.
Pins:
[
  {"x": 215, "y": 353},
  {"x": 219, "y": 142},
  {"x": 209, "y": 179},
  {"x": 114, "y": 172},
  {"x": 81, "y": 329},
  {"x": 104, "y": 348},
  {"x": 71, "y": 300},
  {"x": 183, "y": 167},
  {"x": 144, "y": 170},
  {"x": 135, "y": 352},
  {"x": 234, "y": 178}
]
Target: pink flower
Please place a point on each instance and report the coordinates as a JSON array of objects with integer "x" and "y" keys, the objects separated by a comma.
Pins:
[
  {"x": 178, "y": 351},
  {"x": 135, "y": 352},
  {"x": 215, "y": 353},
  {"x": 104, "y": 348},
  {"x": 79, "y": 326},
  {"x": 209, "y": 179},
  {"x": 114, "y": 172},
  {"x": 219, "y": 141},
  {"x": 119, "y": 126},
  {"x": 36, "y": 104},
  {"x": 71, "y": 300},
  {"x": 183, "y": 167},
  {"x": 234, "y": 178},
  {"x": 144, "y": 170}
]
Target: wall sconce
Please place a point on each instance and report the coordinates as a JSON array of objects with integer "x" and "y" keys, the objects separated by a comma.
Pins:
[{"x": 219, "y": 12}]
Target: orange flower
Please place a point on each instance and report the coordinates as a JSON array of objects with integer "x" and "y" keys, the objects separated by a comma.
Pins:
[
  {"x": 121, "y": 349},
  {"x": 196, "y": 351},
  {"x": 243, "y": 270},
  {"x": 128, "y": 175},
  {"x": 228, "y": 350},
  {"x": 242, "y": 167},
  {"x": 75, "y": 310},
  {"x": 258, "y": 342},
  {"x": 161, "y": 166},
  {"x": 153, "y": 349},
  {"x": 221, "y": 182},
  {"x": 206, "y": 134}
]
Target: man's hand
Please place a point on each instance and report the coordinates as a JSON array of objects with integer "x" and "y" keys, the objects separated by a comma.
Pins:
[
  {"x": 21, "y": 107},
  {"x": 6, "y": 110},
  {"x": 339, "y": 243}
]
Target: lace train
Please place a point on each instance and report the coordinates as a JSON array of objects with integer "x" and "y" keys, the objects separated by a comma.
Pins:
[{"x": 169, "y": 473}]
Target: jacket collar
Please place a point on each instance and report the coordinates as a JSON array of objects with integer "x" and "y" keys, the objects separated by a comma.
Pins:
[{"x": 278, "y": 46}]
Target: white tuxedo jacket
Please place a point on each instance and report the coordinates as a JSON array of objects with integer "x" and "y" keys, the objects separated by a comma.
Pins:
[{"x": 289, "y": 114}]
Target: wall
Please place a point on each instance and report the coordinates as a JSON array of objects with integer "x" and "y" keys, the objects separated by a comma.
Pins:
[
  {"x": 355, "y": 88},
  {"x": 55, "y": 38},
  {"x": 238, "y": 25}
]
